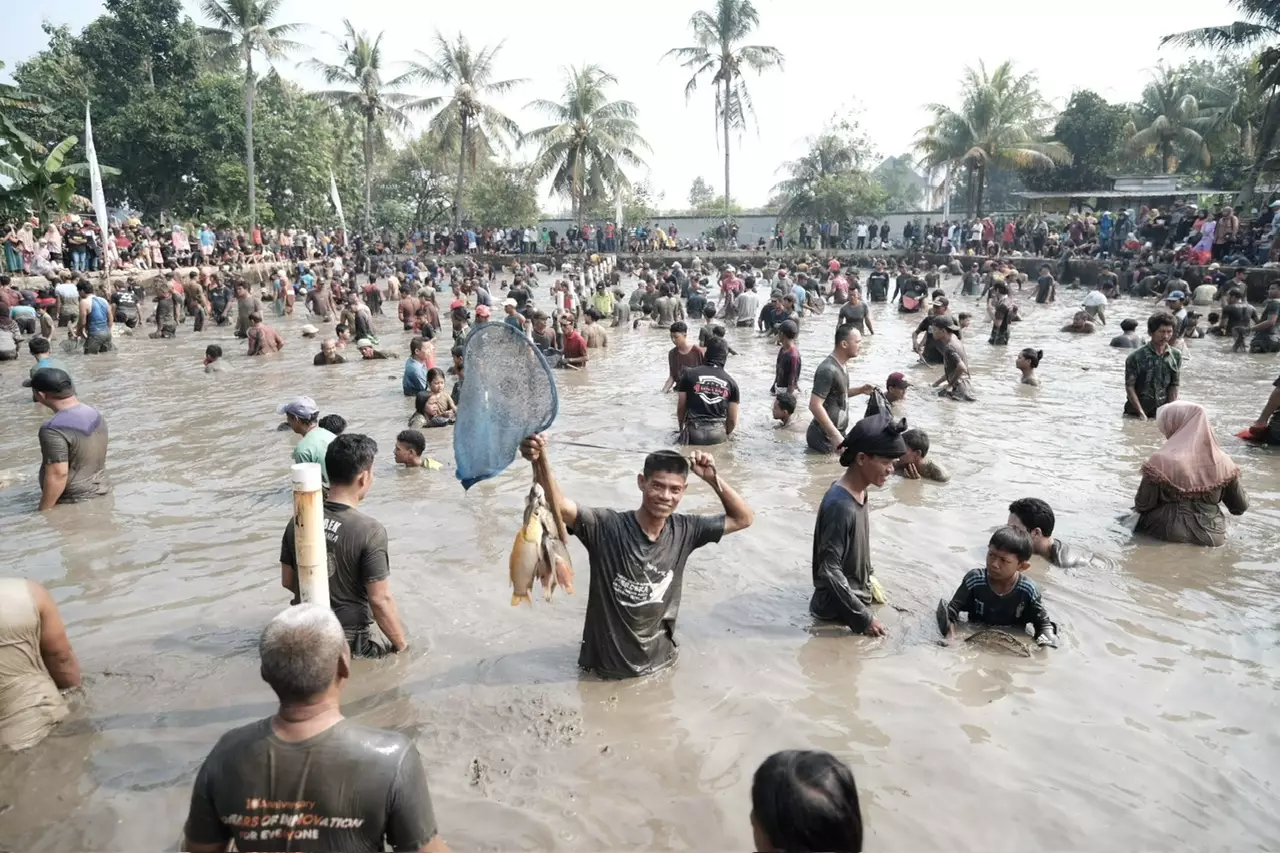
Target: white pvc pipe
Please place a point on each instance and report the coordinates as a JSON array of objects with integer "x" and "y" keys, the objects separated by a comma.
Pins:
[{"x": 308, "y": 533}]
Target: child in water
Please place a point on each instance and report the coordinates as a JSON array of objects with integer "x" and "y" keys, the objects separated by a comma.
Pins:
[
  {"x": 213, "y": 359},
  {"x": 784, "y": 407},
  {"x": 1027, "y": 362},
  {"x": 1000, "y": 594},
  {"x": 433, "y": 407}
]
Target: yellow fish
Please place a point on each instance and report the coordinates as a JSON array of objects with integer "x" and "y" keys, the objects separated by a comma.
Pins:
[{"x": 526, "y": 551}]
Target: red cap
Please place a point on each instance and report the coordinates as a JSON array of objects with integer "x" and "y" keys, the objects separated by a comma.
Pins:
[
  {"x": 897, "y": 380},
  {"x": 457, "y": 303}
]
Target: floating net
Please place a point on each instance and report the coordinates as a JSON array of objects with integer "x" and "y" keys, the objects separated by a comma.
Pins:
[{"x": 508, "y": 394}]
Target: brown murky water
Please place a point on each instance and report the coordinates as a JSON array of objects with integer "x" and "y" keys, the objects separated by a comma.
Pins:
[{"x": 1152, "y": 726}]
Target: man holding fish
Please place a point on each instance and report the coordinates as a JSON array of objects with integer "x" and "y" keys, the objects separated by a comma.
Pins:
[{"x": 637, "y": 557}]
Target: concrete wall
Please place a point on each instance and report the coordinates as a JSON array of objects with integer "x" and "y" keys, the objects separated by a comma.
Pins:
[{"x": 751, "y": 227}]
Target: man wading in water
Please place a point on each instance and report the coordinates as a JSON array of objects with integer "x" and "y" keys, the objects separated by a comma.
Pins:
[
  {"x": 307, "y": 778},
  {"x": 843, "y": 585},
  {"x": 829, "y": 401},
  {"x": 638, "y": 559}
]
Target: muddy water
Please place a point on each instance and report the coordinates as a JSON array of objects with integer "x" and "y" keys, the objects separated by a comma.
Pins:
[{"x": 1152, "y": 725}]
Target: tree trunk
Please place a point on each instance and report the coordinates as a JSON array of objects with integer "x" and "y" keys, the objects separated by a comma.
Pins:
[
  {"x": 970, "y": 207},
  {"x": 250, "y": 86},
  {"x": 368, "y": 175},
  {"x": 1261, "y": 149},
  {"x": 981, "y": 180},
  {"x": 726, "y": 151},
  {"x": 1166, "y": 154},
  {"x": 462, "y": 163}
]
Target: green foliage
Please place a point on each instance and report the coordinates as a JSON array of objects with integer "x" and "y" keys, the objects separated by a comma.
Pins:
[
  {"x": 502, "y": 195},
  {"x": 37, "y": 179},
  {"x": 902, "y": 184},
  {"x": 701, "y": 196},
  {"x": 1094, "y": 132},
  {"x": 830, "y": 182},
  {"x": 998, "y": 125}
]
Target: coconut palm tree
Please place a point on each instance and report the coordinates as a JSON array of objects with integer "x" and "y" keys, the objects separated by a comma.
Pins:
[
  {"x": 465, "y": 122},
  {"x": 1260, "y": 28},
  {"x": 365, "y": 94},
  {"x": 591, "y": 139},
  {"x": 998, "y": 125},
  {"x": 1167, "y": 121},
  {"x": 241, "y": 29},
  {"x": 720, "y": 55}
]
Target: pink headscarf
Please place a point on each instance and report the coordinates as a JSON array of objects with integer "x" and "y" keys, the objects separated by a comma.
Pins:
[{"x": 1191, "y": 462}]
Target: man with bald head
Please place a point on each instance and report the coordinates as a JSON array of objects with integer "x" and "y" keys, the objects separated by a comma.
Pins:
[
  {"x": 328, "y": 354},
  {"x": 307, "y": 778}
]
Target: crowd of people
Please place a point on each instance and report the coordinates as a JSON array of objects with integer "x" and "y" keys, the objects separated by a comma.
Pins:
[{"x": 286, "y": 779}]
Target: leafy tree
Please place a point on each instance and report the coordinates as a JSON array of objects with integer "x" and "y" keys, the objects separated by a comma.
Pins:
[
  {"x": 1167, "y": 121},
  {"x": 466, "y": 122},
  {"x": 828, "y": 182},
  {"x": 365, "y": 94},
  {"x": 503, "y": 194},
  {"x": 416, "y": 188},
  {"x": 701, "y": 195},
  {"x": 721, "y": 56},
  {"x": 590, "y": 141},
  {"x": 1258, "y": 29},
  {"x": 242, "y": 29},
  {"x": 1094, "y": 132},
  {"x": 997, "y": 126},
  {"x": 901, "y": 183}
]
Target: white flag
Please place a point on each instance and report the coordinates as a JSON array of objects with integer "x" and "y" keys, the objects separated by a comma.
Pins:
[
  {"x": 95, "y": 182},
  {"x": 337, "y": 201},
  {"x": 617, "y": 213}
]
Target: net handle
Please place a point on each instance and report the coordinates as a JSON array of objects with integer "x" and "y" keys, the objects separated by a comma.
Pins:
[{"x": 542, "y": 470}]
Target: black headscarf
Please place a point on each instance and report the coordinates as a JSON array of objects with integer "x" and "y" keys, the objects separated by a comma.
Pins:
[{"x": 877, "y": 435}]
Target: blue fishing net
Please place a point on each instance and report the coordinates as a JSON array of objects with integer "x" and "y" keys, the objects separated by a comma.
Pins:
[{"x": 508, "y": 394}]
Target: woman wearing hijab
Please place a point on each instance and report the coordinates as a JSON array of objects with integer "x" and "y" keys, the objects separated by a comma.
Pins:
[{"x": 1185, "y": 482}]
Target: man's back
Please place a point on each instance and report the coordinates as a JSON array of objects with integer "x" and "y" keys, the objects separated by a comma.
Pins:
[{"x": 345, "y": 789}]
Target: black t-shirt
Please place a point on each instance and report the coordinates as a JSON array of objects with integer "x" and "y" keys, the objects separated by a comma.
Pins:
[
  {"x": 635, "y": 588},
  {"x": 219, "y": 297},
  {"x": 1124, "y": 342},
  {"x": 1019, "y": 607},
  {"x": 878, "y": 284},
  {"x": 126, "y": 304},
  {"x": 1239, "y": 314},
  {"x": 520, "y": 295},
  {"x": 348, "y": 789},
  {"x": 1045, "y": 285},
  {"x": 356, "y": 546},
  {"x": 709, "y": 391}
]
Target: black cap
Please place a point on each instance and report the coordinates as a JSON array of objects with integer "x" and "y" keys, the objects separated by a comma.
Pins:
[
  {"x": 876, "y": 435},
  {"x": 946, "y": 321},
  {"x": 51, "y": 380}
]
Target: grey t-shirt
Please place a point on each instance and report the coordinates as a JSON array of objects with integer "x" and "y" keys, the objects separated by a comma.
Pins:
[
  {"x": 855, "y": 314},
  {"x": 348, "y": 789},
  {"x": 356, "y": 546},
  {"x": 1270, "y": 311},
  {"x": 831, "y": 383},
  {"x": 635, "y": 588},
  {"x": 77, "y": 436}
]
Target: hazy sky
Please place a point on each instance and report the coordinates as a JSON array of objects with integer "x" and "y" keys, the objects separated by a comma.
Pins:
[{"x": 885, "y": 59}]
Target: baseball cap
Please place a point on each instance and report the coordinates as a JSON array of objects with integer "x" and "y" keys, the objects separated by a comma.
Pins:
[
  {"x": 897, "y": 379},
  {"x": 946, "y": 321},
  {"x": 52, "y": 380},
  {"x": 364, "y": 342},
  {"x": 457, "y": 303},
  {"x": 510, "y": 303},
  {"x": 482, "y": 310},
  {"x": 300, "y": 407},
  {"x": 1176, "y": 294}
]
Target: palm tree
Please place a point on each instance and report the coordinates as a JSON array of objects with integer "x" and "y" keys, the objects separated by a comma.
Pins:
[
  {"x": 997, "y": 126},
  {"x": 590, "y": 141},
  {"x": 828, "y": 183},
  {"x": 242, "y": 28},
  {"x": 720, "y": 54},
  {"x": 465, "y": 122},
  {"x": 1260, "y": 28},
  {"x": 365, "y": 94},
  {"x": 1167, "y": 120}
]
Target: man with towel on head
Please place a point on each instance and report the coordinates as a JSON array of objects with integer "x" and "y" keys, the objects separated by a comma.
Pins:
[{"x": 844, "y": 585}]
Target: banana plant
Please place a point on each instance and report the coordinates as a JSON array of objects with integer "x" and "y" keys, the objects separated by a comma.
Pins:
[{"x": 36, "y": 180}]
